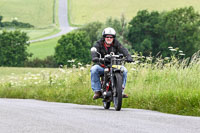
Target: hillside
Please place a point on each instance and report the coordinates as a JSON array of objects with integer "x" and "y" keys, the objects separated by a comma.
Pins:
[
  {"x": 100, "y": 10},
  {"x": 36, "y": 12}
]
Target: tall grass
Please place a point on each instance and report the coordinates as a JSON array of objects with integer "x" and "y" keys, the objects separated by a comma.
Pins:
[{"x": 171, "y": 86}]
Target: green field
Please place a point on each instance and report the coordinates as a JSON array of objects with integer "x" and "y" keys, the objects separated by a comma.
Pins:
[
  {"x": 43, "y": 14},
  {"x": 100, "y": 10},
  {"x": 36, "y": 12},
  {"x": 43, "y": 49}
]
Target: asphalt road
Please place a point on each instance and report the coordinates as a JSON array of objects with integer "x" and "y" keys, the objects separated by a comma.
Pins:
[
  {"x": 63, "y": 22},
  {"x": 33, "y": 116}
]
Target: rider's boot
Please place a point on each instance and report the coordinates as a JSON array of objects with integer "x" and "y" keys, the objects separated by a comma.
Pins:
[
  {"x": 97, "y": 94},
  {"x": 123, "y": 94}
]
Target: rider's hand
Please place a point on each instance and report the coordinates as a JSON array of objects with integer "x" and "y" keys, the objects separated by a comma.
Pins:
[
  {"x": 96, "y": 59},
  {"x": 107, "y": 60},
  {"x": 129, "y": 59},
  {"x": 101, "y": 60}
]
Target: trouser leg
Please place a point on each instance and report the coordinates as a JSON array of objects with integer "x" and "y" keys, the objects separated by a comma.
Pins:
[{"x": 96, "y": 71}]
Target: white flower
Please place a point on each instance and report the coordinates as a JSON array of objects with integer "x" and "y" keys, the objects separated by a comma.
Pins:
[
  {"x": 82, "y": 68},
  {"x": 170, "y": 47},
  {"x": 134, "y": 56},
  {"x": 62, "y": 70},
  {"x": 180, "y": 51},
  {"x": 173, "y": 50},
  {"x": 166, "y": 58},
  {"x": 79, "y": 64},
  {"x": 133, "y": 69},
  {"x": 87, "y": 65},
  {"x": 181, "y": 54}
]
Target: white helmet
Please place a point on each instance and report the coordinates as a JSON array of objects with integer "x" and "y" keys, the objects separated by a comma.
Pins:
[{"x": 109, "y": 31}]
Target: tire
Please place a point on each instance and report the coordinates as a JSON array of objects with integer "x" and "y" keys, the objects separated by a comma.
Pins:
[
  {"x": 118, "y": 86},
  {"x": 106, "y": 105}
]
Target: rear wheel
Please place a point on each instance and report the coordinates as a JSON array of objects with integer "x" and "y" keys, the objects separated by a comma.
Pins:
[
  {"x": 118, "y": 86},
  {"x": 106, "y": 105}
]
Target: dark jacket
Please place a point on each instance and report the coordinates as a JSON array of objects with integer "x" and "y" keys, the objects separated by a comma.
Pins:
[{"x": 116, "y": 47}]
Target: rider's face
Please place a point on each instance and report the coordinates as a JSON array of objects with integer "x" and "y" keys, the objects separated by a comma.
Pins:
[{"x": 109, "y": 39}]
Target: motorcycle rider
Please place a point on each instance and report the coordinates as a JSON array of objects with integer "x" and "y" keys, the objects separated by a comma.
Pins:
[{"x": 108, "y": 43}]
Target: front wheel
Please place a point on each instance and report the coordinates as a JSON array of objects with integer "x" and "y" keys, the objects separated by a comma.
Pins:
[
  {"x": 106, "y": 105},
  {"x": 118, "y": 86}
]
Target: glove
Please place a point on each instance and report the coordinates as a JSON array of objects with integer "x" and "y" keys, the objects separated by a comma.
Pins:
[
  {"x": 96, "y": 59},
  {"x": 101, "y": 60},
  {"x": 129, "y": 59},
  {"x": 107, "y": 60}
]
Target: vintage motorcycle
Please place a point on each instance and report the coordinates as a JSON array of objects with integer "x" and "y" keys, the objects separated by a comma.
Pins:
[{"x": 112, "y": 80}]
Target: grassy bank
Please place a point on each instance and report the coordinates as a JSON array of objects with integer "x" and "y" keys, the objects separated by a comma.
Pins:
[
  {"x": 100, "y": 10},
  {"x": 172, "y": 88}
]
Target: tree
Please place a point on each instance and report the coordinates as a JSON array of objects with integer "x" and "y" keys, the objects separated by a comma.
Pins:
[
  {"x": 154, "y": 32},
  {"x": 1, "y": 17},
  {"x": 13, "y": 46},
  {"x": 92, "y": 31},
  {"x": 143, "y": 34},
  {"x": 74, "y": 45},
  {"x": 180, "y": 28}
]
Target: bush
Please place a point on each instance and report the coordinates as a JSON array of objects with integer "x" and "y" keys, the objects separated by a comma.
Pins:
[
  {"x": 74, "y": 45},
  {"x": 49, "y": 62},
  {"x": 16, "y": 24},
  {"x": 13, "y": 48}
]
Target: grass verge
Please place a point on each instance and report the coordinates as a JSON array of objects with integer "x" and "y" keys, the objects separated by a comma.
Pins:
[{"x": 172, "y": 88}]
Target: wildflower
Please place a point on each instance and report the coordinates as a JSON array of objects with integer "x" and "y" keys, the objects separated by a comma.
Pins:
[
  {"x": 149, "y": 58},
  {"x": 166, "y": 58},
  {"x": 181, "y": 54},
  {"x": 82, "y": 68},
  {"x": 180, "y": 51},
  {"x": 136, "y": 62},
  {"x": 170, "y": 47},
  {"x": 35, "y": 78},
  {"x": 133, "y": 69},
  {"x": 87, "y": 65},
  {"x": 173, "y": 50},
  {"x": 63, "y": 71},
  {"x": 79, "y": 64},
  {"x": 134, "y": 56}
]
